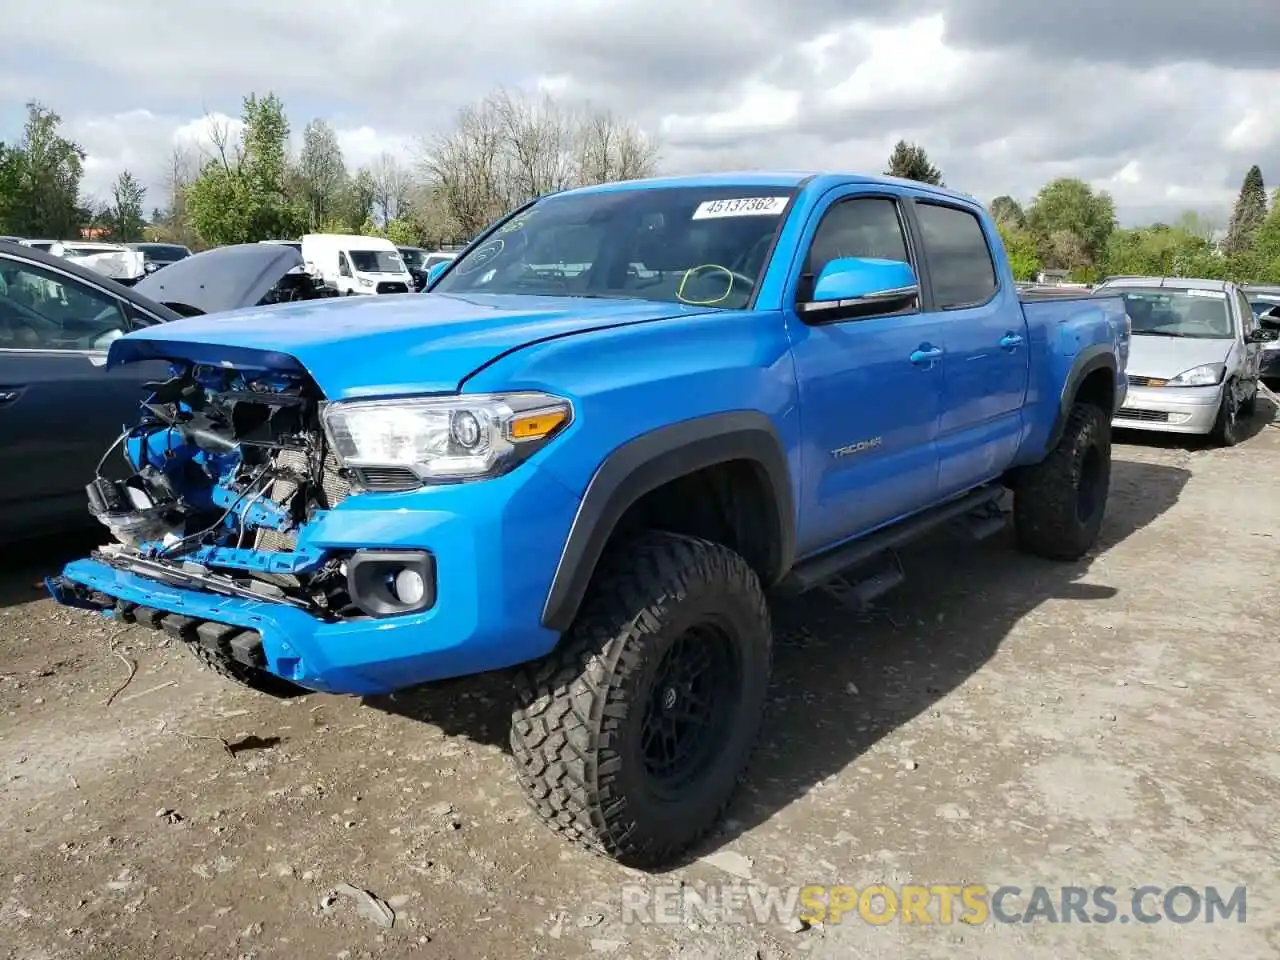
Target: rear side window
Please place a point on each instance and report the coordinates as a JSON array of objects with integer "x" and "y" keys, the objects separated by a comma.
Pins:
[{"x": 961, "y": 270}]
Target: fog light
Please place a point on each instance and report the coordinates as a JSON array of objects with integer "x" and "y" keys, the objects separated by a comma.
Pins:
[
  {"x": 389, "y": 583},
  {"x": 410, "y": 587}
]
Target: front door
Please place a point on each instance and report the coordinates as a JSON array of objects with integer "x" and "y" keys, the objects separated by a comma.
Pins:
[
  {"x": 870, "y": 387},
  {"x": 60, "y": 408}
]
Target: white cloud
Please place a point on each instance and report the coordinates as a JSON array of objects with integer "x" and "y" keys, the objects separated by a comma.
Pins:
[{"x": 1003, "y": 98}]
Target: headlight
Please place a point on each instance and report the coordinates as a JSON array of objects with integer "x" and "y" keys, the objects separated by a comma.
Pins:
[
  {"x": 364, "y": 281},
  {"x": 1205, "y": 375},
  {"x": 445, "y": 438}
]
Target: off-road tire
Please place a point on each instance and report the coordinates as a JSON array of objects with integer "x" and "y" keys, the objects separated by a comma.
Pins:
[
  {"x": 1226, "y": 428},
  {"x": 1047, "y": 496},
  {"x": 576, "y": 733},
  {"x": 256, "y": 679}
]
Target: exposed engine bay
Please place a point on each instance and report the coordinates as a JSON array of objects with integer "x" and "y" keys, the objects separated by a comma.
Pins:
[{"x": 228, "y": 468}]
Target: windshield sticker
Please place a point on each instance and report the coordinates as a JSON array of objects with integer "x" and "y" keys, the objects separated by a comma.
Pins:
[
  {"x": 740, "y": 207},
  {"x": 480, "y": 257},
  {"x": 1209, "y": 294}
]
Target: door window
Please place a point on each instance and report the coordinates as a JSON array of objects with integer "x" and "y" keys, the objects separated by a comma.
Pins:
[
  {"x": 961, "y": 269},
  {"x": 1247, "y": 320},
  {"x": 44, "y": 310},
  {"x": 344, "y": 268},
  {"x": 860, "y": 227}
]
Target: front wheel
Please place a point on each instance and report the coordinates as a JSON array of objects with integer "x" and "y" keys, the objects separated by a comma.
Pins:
[
  {"x": 630, "y": 738},
  {"x": 1059, "y": 503},
  {"x": 1226, "y": 428}
]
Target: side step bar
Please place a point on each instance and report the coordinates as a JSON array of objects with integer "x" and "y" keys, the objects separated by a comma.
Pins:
[{"x": 822, "y": 569}]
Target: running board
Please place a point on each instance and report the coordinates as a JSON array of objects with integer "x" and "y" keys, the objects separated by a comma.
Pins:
[{"x": 823, "y": 568}]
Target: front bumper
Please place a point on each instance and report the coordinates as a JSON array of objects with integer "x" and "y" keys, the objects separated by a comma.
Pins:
[
  {"x": 1170, "y": 409},
  {"x": 496, "y": 545}
]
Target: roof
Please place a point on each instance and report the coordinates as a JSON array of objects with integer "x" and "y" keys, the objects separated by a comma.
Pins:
[
  {"x": 1261, "y": 288},
  {"x": 786, "y": 179},
  {"x": 1172, "y": 283}
]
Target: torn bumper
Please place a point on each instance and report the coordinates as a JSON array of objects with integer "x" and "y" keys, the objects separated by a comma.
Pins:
[{"x": 496, "y": 545}]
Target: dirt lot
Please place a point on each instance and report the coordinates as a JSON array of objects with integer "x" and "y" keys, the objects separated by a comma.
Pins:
[{"x": 999, "y": 721}]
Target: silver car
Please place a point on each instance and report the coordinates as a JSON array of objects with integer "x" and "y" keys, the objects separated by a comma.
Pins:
[{"x": 1194, "y": 358}]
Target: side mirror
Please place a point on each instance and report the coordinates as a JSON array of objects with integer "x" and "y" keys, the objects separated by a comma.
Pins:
[
  {"x": 434, "y": 271},
  {"x": 150, "y": 267},
  {"x": 868, "y": 285},
  {"x": 1262, "y": 335}
]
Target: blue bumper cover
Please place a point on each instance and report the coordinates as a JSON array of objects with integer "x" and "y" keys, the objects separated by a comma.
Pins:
[{"x": 496, "y": 544}]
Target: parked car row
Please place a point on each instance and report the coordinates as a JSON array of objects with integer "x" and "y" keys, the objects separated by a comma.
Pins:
[{"x": 125, "y": 263}]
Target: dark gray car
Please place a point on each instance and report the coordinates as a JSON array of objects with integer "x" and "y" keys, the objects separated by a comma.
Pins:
[{"x": 60, "y": 407}]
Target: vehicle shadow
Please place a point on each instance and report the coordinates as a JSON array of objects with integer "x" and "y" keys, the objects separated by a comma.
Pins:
[
  {"x": 24, "y": 564},
  {"x": 929, "y": 637}
]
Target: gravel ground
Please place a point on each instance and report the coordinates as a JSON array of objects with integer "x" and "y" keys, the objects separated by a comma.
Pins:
[{"x": 998, "y": 721}]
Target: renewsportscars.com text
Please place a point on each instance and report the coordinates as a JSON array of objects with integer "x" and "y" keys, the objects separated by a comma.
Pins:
[{"x": 941, "y": 904}]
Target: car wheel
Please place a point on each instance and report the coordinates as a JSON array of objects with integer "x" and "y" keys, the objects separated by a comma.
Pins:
[
  {"x": 1249, "y": 406},
  {"x": 632, "y": 736},
  {"x": 1226, "y": 429},
  {"x": 1059, "y": 503}
]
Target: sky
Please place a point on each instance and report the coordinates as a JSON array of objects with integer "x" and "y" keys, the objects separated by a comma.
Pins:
[{"x": 1163, "y": 103}]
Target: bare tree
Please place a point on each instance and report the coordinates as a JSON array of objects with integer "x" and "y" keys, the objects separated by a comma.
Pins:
[
  {"x": 391, "y": 185},
  {"x": 508, "y": 148}
]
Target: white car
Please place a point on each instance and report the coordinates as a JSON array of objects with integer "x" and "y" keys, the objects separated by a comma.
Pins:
[{"x": 112, "y": 260}]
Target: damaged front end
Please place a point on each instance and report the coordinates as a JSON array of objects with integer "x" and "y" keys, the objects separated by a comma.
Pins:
[{"x": 230, "y": 470}]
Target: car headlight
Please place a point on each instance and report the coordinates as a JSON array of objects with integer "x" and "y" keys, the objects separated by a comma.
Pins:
[
  {"x": 445, "y": 438},
  {"x": 1205, "y": 375},
  {"x": 364, "y": 281}
]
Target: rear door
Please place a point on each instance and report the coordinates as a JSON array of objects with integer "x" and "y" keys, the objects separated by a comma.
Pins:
[
  {"x": 988, "y": 357},
  {"x": 870, "y": 386},
  {"x": 60, "y": 408}
]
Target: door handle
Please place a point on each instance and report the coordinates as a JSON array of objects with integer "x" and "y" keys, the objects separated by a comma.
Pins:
[
  {"x": 9, "y": 395},
  {"x": 926, "y": 355},
  {"x": 1010, "y": 341}
]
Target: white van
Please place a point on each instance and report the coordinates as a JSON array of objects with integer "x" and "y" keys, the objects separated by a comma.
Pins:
[{"x": 352, "y": 264}]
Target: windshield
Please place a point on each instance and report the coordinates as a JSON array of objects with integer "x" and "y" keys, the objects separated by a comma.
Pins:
[
  {"x": 411, "y": 257},
  {"x": 699, "y": 245},
  {"x": 163, "y": 251},
  {"x": 1194, "y": 314},
  {"x": 376, "y": 261}
]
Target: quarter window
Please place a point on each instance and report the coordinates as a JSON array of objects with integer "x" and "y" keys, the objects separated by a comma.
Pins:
[{"x": 961, "y": 270}]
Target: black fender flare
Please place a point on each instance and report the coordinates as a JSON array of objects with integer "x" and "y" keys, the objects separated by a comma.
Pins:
[
  {"x": 1100, "y": 356},
  {"x": 651, "y": 460}
]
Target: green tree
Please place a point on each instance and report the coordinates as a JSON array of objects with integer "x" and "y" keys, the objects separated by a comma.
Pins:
[
  {"x": 402, "y": 233},
  {"x": 321, "y": 173},
  {"x": 241, "y": 194},
  {"x": 356, "y": 205},
  {"x": 1007, "y": 212},
  {"x": 125, "y": 213},
  {"x": 1071, "y": 225},
  {"x": 1250, "y": 211},
  {"x": 911, "y": 162},
  {"x": 40, "y": 179},
  {"x": 1265, "y": 253},
  {"x": 1020, "y": 248}
]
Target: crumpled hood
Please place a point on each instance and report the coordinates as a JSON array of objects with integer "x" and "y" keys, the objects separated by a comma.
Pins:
[
  {"x": 224, "y": 278},
  {"x": 1166, "y": 357},
  {"x": 122, "y": 264},
  {"x": 382, "y": 345}
]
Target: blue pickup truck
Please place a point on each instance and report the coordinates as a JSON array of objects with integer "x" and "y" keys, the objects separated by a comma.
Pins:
[{"x": 605, "y": 432}]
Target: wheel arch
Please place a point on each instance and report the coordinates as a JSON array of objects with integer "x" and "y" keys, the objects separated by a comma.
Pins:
[{"x": 734, "y": 452}]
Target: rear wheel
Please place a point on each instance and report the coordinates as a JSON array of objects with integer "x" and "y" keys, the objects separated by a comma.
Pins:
[
  {"x": 1059, "y": 503},
  {"x": 631, "y": 737}
]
